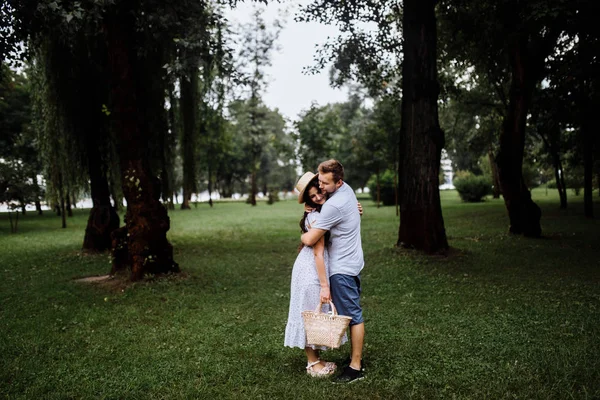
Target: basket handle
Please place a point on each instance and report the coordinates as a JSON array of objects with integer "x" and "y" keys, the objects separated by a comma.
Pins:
[{"x": 333, "y": 310}]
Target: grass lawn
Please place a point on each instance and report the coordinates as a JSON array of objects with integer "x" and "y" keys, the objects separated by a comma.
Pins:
[{"x": 502, "y": 317}]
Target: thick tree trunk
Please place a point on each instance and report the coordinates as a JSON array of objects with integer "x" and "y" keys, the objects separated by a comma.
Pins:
[
  {"x": 421, "y": 138},
  {"x": 147, "y": 222},
  {"x": 103, "y": 217},
  {"x": 495, "y": 178},
  {"x": 523, "y": 213}
]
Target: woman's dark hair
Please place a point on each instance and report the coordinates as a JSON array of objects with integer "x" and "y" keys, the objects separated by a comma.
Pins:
[{"x": 314, "y": 183}]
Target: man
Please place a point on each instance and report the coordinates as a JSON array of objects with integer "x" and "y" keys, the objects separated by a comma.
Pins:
[{"x": 340, "y": 216}]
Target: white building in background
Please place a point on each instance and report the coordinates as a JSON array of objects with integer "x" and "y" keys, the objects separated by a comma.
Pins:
[{"x": 446, "y": 166}]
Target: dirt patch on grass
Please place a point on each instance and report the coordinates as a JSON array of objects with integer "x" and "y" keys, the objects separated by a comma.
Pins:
[
  {"x": 94, "y": 279},
  {"x": 112, "y": 283},
  {"x": 120, "y": 281}
]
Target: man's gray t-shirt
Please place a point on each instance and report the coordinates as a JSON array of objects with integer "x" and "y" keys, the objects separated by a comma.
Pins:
[{"x": 340, "y": 216}]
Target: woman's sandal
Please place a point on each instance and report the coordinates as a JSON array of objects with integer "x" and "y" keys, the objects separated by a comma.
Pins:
[{"x": 327, "y": 370}]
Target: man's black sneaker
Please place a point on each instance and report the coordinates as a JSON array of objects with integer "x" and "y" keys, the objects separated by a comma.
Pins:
[
  {"x": 349, "y": 375},
  {"x": 349, "y": 361}
]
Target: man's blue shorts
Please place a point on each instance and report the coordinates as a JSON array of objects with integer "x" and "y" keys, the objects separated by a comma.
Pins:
[{"x": 345, "y": 293}]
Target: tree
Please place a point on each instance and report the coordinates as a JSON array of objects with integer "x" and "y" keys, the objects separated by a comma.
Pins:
[
  {"x": 138, "y": 39},
  {"x": 19, "y": 158},
  {"x": 421, "y": 138},
  {"x": 317, "y": 130},
  {"x": 258, "y": 44},
  {"x": 147, "y": 222},
  {"x": 378, "y": 146},
  {"x": 190, "y": 105},
  {"x": 515, "y": 42},
  {"x": 374, "y": 59}
]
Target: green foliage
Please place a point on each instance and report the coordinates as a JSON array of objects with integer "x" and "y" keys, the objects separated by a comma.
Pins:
[
  {"x": 319, "y": 131},
  {"x": 364, "y": 140},
  {"x": 501, "y": 317},
  {"x": 472, "y": 188},
  {"x": 368, "y": 51},
  {"x": 386, "y": 186},
  {"x": 276, "y": 167},
  {"x": 531, "y": 175},
  {"x": 19, "y": 157}
]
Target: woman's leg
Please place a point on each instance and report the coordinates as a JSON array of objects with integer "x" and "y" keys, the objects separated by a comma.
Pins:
[{"x": 312, "y": 355}]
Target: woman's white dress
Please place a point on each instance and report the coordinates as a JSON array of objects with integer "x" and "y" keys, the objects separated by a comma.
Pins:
[{"x": 305, "y": 294}]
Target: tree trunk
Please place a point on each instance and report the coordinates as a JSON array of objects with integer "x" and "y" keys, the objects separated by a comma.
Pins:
[
  {"x": 560, "y": 183},
  {"x": 495, "y": 179},
  {"x": 588, "y": 157},
  {"x": 552, "y": 146},
  {"x": 253, "y": 188},
  {"x": 189, "y": 104},
  {"x": 68, "y": 205},
  {"x": 167, "y": 154},
  {"x": 210, "y": 186},
  {"x": 523, "y": 213},
  {"x": 378, "y": 188},
  {"x": 147, "y": 222},
  {"x": 396, "y": 191},
  {"x": 103, "y": 217},
  {"x": 63, "y": 213},
  {"x": 421, "y": 138},
  {"x": 36, "y": 190}
]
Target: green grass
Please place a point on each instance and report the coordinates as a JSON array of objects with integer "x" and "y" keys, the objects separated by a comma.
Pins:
[{"x": 502, "y": 317}]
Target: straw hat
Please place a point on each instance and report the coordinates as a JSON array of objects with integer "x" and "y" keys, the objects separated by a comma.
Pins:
[{"x": 302, "y": 184}]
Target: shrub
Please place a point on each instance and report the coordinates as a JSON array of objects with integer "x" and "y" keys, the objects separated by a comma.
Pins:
[
  {"x": 473, "y": 188},
  {"x": 531, "y": 175},
  {"x": 386, "y": 185},
  {"x": 273, "y": 197}
]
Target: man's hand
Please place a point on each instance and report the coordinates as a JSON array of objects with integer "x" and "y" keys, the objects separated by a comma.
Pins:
[{"x": 360, "y": 210}]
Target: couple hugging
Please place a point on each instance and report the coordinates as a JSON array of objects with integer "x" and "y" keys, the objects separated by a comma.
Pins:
[{"x": 328, "y": 266}]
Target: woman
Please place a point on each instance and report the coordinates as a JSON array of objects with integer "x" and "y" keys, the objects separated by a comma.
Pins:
[{"x": 310, "y": 281}]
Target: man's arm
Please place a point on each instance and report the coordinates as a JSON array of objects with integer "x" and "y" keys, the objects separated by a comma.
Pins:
[{"x": 312, "y": 236}]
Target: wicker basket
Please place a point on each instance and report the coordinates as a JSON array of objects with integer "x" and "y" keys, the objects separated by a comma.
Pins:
[{"x": 325, "y": 329}]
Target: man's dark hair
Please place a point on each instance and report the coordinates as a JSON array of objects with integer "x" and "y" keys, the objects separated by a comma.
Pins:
[{"x": 333, "y": 166}]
